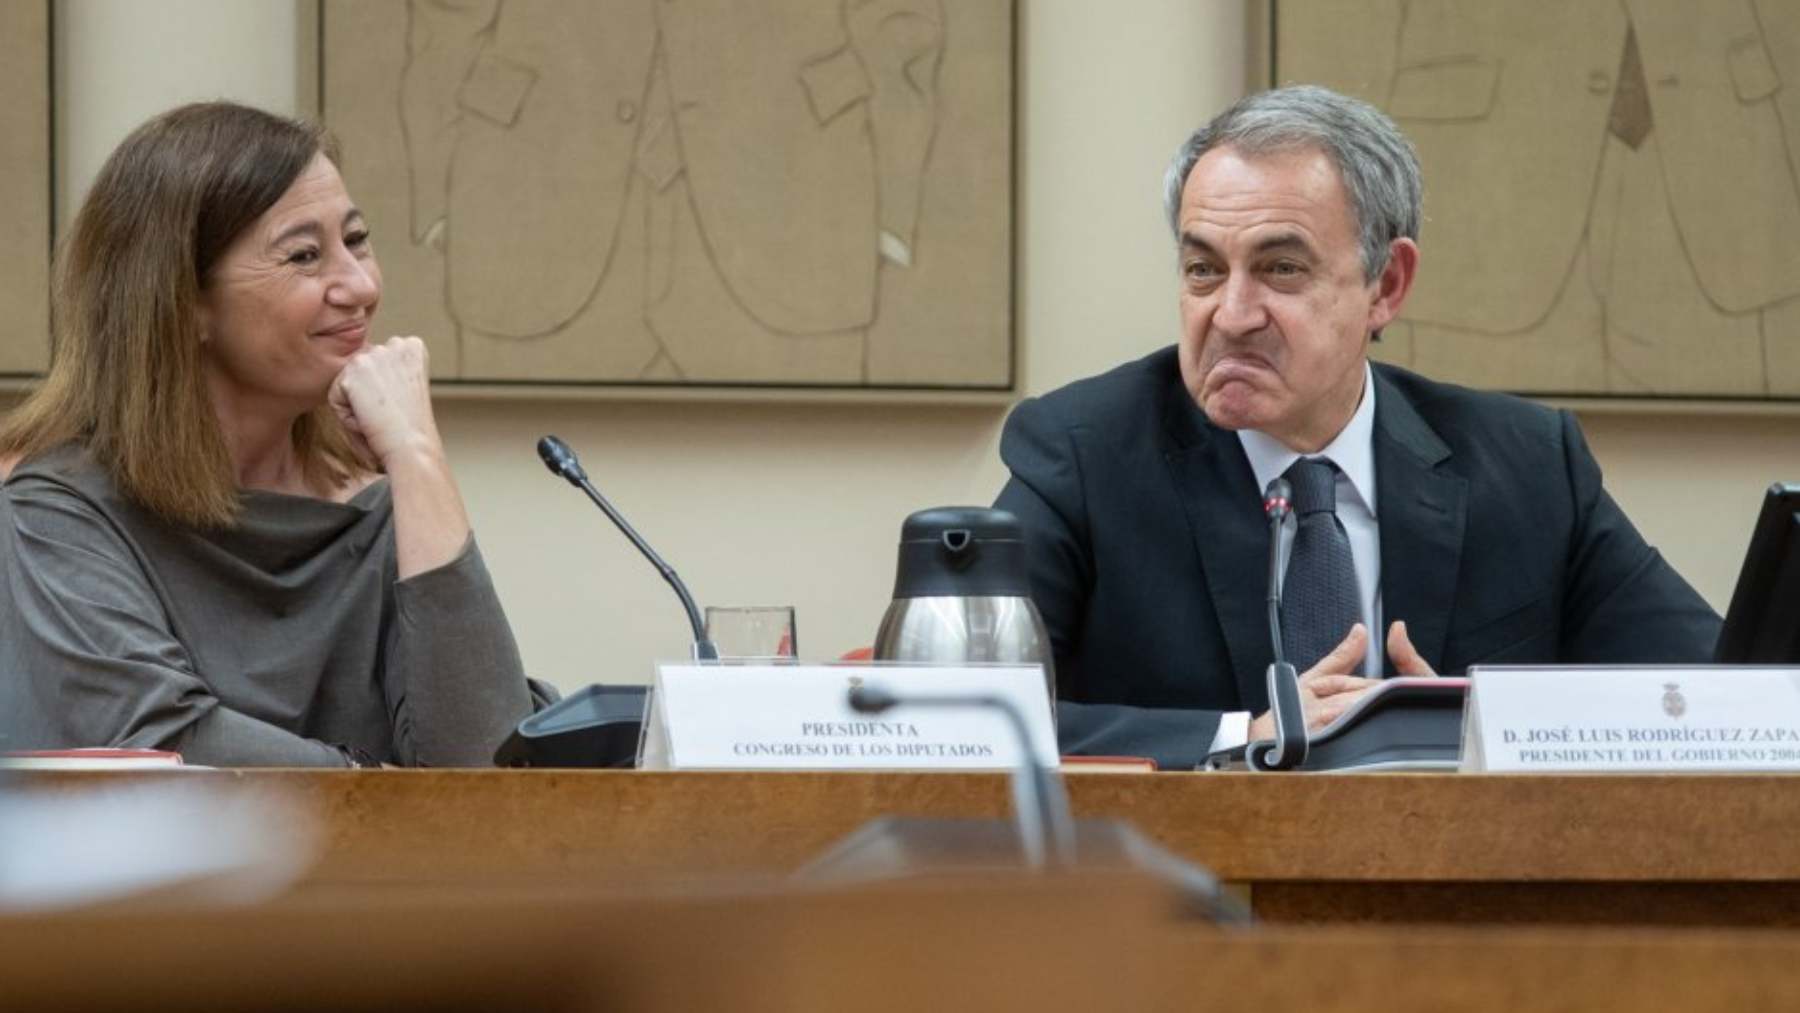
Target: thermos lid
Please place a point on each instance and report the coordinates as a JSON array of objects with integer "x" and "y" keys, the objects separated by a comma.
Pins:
[
  {"x": 961, "y": 552},
  {"x": 982, "y": 523}
]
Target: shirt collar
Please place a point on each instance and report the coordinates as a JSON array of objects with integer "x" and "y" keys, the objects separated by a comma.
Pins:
[{"x": 1352, "y": 450}]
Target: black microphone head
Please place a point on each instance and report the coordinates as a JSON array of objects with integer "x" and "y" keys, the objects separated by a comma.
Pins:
[
  {"x": 560, "y": 459},
  {"x": 1277, "y": 497},
  {"x": 866, "y": 699}
]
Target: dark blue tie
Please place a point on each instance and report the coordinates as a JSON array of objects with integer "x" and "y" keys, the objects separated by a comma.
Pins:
[{"x": 1319, "y": 600}]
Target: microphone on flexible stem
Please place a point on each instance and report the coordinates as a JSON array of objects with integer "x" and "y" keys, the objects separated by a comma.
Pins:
[
  {"x": 562, "y": 461},
  {"x": 1288, "y": 749},
  {"x": 1040, "y": 806}
]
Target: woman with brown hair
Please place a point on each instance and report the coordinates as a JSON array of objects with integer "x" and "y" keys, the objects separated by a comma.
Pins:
[{"x": 228, "y": 527}]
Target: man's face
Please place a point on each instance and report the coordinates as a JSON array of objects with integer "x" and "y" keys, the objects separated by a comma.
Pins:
[{"x": 1275, "y": 313}]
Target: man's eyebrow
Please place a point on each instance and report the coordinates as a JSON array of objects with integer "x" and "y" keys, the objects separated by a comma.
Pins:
[
  {"x": 1284, "y": 241},
  {"x": 1276, "y": 243},
  {"x": 1190, "y": 241}
]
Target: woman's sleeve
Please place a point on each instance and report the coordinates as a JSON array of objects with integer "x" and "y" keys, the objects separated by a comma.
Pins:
[
  {"x": 88, "y": 656},
  {"x": 455, "y": 684}
]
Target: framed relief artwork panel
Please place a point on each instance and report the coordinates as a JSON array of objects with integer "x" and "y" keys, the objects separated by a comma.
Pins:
[
  {"x": 1612, "y": 190},
  {"x": 25, "y": 187},
  {"x": 685, "y": 192}
]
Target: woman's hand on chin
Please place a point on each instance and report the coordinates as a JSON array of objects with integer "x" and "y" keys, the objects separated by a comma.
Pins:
[{"x": 383, "y": 398}]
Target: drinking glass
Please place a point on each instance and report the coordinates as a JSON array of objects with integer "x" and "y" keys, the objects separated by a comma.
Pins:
[{"x": 752, "y": 632}]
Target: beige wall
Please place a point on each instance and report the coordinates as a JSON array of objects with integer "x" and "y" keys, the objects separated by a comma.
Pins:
[
  {"x": 761, "y": 502},
  {"x": 118, "y": 62},
  {"x": 1693, "y": 483}
]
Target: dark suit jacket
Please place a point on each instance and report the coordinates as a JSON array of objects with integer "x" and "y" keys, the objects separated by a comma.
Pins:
[{"x": 1149, "y": 550}]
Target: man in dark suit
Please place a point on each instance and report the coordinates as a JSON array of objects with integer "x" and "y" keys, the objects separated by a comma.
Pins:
[{"x": 1472, "y": 527}]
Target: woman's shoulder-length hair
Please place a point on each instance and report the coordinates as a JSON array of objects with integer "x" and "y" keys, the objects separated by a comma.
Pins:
[{"x": 126, "y": 374}]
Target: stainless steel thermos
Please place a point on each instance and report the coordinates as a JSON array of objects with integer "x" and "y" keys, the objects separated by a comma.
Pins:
[{"x": 962, "y": 593}]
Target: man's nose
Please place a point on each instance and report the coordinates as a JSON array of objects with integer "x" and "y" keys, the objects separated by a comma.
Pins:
[{"x": 1241, "y": 309}]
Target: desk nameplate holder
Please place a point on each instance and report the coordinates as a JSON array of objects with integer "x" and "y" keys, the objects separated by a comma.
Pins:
[
  {"x": 1617, "y": 719},
  {"x": 728, "y": 716}
]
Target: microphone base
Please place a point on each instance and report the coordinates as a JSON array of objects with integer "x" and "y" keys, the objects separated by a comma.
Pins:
[
  {"x": 1287, "y": 751},
  {"x": 596, "y": 727},
  {"x": 892, "y": 848}
]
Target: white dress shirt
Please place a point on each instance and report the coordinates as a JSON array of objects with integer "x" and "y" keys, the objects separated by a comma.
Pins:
[{"x": 1353, "y": 451}]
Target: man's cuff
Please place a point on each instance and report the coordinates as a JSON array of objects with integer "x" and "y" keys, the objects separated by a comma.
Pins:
[{"x": 1234, "y": 731}]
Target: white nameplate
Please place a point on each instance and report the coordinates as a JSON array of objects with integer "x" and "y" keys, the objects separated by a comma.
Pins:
[
  {"x": 798, "y": 717},
  {"x": 1600, "y": 719}
]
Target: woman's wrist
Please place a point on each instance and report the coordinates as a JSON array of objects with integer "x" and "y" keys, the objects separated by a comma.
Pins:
[{"x": 423, "y": 455}]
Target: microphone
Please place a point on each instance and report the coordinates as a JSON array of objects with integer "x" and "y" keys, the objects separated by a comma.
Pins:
[
  {"x": 562, "y": 461},
  {"x": 1277, "y": 503},
  {"x": 1288, "y": 749},
  {"x": 1040, "y": 806}
]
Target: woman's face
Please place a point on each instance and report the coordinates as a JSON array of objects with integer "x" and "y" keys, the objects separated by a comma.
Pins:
[{"x": 290, "y": 301}]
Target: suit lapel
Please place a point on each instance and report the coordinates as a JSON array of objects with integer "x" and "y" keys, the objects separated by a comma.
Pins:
[
  {"x": 1423, "y": 510},
  {"x": 1218, "y": 491}
]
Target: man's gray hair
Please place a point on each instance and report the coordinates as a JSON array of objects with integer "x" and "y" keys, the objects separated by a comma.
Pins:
[{"x": 1376, "y": 162}]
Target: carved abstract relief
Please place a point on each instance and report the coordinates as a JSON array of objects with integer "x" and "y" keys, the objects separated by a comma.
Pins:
[
  {"x": 1612, "y": 202},
  {"x": 25, "y": 187},
  {"x": 812, "y": 192}
]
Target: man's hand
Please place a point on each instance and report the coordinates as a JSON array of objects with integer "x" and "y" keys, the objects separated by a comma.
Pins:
[
  {"x": 1406, "y": 657},
  {"x": 1328, "y": 689}
]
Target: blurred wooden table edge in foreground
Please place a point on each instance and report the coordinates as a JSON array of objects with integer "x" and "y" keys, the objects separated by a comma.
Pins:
[
  {"x": 1634, "y": 850},
  {"x": 1059, "y": 943}
]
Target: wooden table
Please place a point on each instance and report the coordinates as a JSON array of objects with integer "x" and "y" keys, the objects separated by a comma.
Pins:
[
  {"x": 1082, "y": 944},
  {"x": 1663, "y": 850}
]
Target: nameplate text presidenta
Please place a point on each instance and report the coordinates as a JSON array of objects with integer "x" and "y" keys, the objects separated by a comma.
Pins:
[{"x": 797, "y": 717}]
